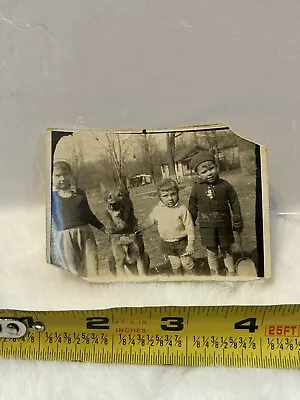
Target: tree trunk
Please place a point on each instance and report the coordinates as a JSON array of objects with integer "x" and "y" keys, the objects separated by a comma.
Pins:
[
  {"x": 171, "y": 154},
  {"x": 195, "y": 139},
  {"x": 213, "y": 145},
  {"x": 148, "y": 154}
]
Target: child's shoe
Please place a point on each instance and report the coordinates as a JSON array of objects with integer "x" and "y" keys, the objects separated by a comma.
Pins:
[{"x": 230, "y": 273}]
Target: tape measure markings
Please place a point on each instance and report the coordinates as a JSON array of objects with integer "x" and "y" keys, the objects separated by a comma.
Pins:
[{"x": 255, "y": 336}]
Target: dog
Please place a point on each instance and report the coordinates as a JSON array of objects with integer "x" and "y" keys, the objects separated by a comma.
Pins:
[{"x": 127, "y": 245}]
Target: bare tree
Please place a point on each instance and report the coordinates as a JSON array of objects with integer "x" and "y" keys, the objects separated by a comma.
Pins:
[
  {"x": 211, "y": 138},
  {"x": 117, "y": 149},
  {"x": 148, "y": 146},
  {"x": 78, "y": 158},
  {"x": 171, "y": 149},
  {"x": 170, "y": 137},
  {"x": 195, "y": 139},
  {"x": 71, "y": 148}
]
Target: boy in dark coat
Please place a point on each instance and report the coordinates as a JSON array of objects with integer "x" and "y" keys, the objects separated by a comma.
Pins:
[{"x": 214, "y": 202}]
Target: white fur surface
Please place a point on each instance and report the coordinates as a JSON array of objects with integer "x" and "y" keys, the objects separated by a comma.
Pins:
[{"x": 27, "y": 282}]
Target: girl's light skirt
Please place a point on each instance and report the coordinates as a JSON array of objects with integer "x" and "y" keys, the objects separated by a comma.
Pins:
[{"x": 75, "y": 249}]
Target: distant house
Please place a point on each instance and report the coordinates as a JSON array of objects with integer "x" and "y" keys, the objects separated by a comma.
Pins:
[
  {"x": 229, "y": 156},
  {"x": 182, "y": 163},
  {"x": 228, "y": 159}
]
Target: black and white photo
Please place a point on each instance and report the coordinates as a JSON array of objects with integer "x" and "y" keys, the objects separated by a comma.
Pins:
[{"x": 185, "y": 204}]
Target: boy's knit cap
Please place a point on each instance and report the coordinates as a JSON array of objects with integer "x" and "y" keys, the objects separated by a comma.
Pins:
[{"x": 201, "y": 157}]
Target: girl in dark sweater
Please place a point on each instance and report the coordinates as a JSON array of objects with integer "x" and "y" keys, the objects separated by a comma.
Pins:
[
  {"x": 74, "y": 241},
  {"x": 214, "y": 202}
]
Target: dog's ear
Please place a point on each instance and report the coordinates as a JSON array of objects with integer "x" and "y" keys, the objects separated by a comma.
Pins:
[{"x": 123, "y": 190}]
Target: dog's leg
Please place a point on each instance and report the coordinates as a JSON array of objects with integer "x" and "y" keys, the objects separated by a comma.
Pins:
[
  {"x": 120, "y": 268},
  {"x": 141, "y": 263},
  {"x": 142, "y": 258},
  {"x": 141, "y": 266},
  {"x": 119, "y": 257}
]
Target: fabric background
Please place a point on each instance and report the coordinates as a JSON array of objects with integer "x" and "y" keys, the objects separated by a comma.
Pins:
[{"x": 131, "y": 65}]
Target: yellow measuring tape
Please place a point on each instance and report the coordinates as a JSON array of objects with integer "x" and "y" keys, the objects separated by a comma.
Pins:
[{"x": 234, "y": 336}]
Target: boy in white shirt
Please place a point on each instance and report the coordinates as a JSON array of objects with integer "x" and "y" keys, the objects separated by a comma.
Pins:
[{"x": 175, "y": 227}]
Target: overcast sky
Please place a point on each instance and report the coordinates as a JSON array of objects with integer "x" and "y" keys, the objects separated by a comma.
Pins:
[
  {"x": 93, "y": 149},
  {"x": 86, "y": 143}
]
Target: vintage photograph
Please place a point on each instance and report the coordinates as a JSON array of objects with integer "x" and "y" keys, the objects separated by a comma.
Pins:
[{"x": 186, "y": 204}]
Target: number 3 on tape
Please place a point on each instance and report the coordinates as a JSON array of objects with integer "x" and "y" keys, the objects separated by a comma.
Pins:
[{"x": 175, "y": 324}]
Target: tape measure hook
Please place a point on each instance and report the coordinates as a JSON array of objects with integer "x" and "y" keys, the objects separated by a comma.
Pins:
[{"x": 12, "y": 328}]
